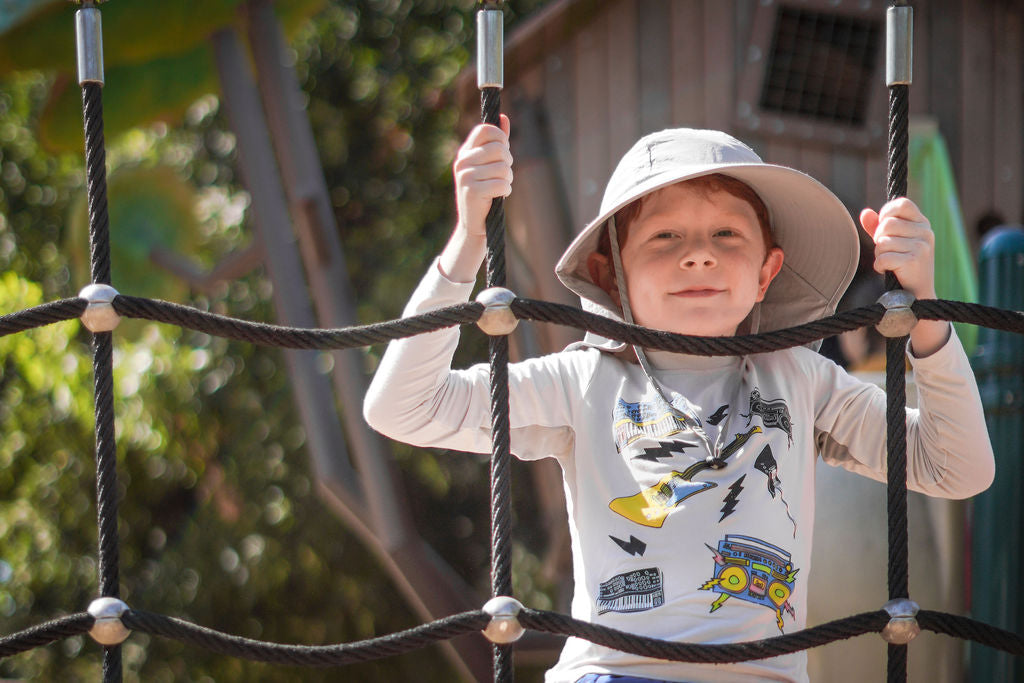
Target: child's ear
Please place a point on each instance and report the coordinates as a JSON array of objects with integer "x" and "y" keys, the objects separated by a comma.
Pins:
[
  {"x": 600, "y": 268},
  {"x": 769, "y": 269}
]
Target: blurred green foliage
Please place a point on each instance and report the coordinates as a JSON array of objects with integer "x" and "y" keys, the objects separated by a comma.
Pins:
[{"x": 219, "y": 519}]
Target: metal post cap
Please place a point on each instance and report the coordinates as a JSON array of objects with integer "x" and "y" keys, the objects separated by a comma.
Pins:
[
  {"x": 108, "y": 629},
  {"x": 899, "y": 318},
  {"x": 902, "y": 627},
  {"x": 504, "y": 626},
  {"x": 99, "y": 315},
  {"x": 497, "y": 318},
  {"x": 490, "y": 69}
]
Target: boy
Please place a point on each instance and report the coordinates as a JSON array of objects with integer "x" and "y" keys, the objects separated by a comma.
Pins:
[{"x": 690, "y": 480}]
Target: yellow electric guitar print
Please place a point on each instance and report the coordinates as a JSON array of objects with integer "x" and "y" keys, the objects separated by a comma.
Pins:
[{"x": 652, "y": 506}]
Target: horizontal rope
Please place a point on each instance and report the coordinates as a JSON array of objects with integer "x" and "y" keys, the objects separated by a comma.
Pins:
[
  {"x": 295, "y": 337},
  {"x": 38, "y": 316},
  {"x": 969, "y": 629},
  {"x": 699, "y": 346},
  {"x": 44, "y": 634},
  {"x": 530, "y": 309},
  {"x": 974, "y": 314},
  {"x": 840, "y": 629},
  {"x": 306, "y": 655}
]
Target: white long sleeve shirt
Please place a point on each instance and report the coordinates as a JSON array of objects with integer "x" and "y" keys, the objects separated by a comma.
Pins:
[{"x": 662, "y": 544}]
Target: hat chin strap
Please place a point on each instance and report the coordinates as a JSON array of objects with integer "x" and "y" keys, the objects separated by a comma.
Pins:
[{"x": 627, "y": 313}]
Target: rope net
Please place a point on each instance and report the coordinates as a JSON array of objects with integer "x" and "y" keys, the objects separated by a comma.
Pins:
[
  {"x": 537, "y": 620},
  {"x": 501, "y": 584}
]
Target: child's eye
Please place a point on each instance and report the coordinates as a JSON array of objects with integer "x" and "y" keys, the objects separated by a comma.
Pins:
[
  {"x": 664, "y": 235},
  {"x": 725, "y": 232}
]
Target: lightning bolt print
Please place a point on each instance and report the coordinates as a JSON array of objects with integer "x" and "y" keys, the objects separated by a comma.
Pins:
[
  {"x": 664, "y": 450},
  {"x": 634, "y": 546},
  {"x": 732, "y": 498},
  {"x": 719, "y": 415}
]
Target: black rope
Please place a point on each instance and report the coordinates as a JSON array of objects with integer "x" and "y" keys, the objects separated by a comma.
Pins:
[
  {"x": 305, "y": 655},
  {"x": 969, "y": 629},
  {"x": 106, "y": 464},
  {"x": 526, "y": 309},
  {"x": 701, "y": 346},
  {"x": 103, "y": 367},
  {"x": 38, "y": 316},
  {"x": 294, "y": 337},
  {"x": 975, "y": 314},
  {"x": 896, "y": 392},
  {"x": 501, "y": 470},
  {"x": 44, "y": 634},
  {"x": 551, "y": 622},
  {"x": 96, "y": 182}
]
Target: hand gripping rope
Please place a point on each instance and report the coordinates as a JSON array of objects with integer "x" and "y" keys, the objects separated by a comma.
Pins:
[
  {"x": 490, "y": 80},
  {"x": 503, "y": 619},
  {"x": 898, "y": 74}
]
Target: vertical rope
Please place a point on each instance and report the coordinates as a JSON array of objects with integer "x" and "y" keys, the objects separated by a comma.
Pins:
[
  {"x": 501, "y": 485},
  {"x": 103, "y": 364},
  {"x": 896, "y": 392}
]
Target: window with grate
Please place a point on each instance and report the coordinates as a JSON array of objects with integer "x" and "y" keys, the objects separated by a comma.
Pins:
[
  {"x": 813, "y": 71},
  {"x": 821, "y": 65}
]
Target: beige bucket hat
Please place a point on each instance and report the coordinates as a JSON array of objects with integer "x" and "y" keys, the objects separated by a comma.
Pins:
[{"x": 810, "y": 224}]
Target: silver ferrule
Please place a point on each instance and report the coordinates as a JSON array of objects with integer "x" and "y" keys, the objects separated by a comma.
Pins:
[
  {"x": 490, "y": 71},
  {"x": 899, "y": 46},
  {"x": 89, "y": 40}
]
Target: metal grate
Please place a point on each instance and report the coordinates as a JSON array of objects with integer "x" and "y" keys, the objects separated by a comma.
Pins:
[{"x": 821, "y": 65}]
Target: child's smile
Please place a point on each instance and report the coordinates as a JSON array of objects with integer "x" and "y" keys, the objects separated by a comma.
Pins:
[{"x": 695, "y": 261}]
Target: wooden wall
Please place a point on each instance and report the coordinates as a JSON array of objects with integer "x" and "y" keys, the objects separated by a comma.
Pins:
[{"x": 605, "y": 73}]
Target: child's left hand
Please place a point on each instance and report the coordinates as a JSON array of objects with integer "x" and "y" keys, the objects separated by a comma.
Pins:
[{"x": 904, "y": 244}]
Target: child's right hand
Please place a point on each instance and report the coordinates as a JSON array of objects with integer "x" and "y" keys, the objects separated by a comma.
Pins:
[{"x": 483, "y": 171}]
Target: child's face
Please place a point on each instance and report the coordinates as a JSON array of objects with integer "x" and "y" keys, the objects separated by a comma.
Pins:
[{"x": 696, "y": 261}]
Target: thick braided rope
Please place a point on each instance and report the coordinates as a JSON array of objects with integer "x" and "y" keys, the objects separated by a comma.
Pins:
[
  {"x": 38, "y": 316},
  {"x": 294, "y": 337},
  {"x": 969, "y": 629},
  {"x": 975, "y": 314},
  {"x": 501, "y": 470},
  {"x": 552, "y": 622},
  {"x": 96, "y": 182},
  {"x": 103, "y": 366},
  {"x": 44, "y": 634},
  {"x": 701, "y": 346},
  {"x": 305, "y": 655},
  {"x": 896, "y": 392}
]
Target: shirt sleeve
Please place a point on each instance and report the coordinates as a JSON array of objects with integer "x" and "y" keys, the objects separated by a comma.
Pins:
[
  {"x": 417, "y": 397},
  {"x": 948, "y": 450}
]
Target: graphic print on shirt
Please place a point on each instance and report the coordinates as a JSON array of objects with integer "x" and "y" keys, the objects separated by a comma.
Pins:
[
  {"x": 652, "y": 506},
  {"x": 634, "y": 546},
  {"x": 635, "y": 591},
  {"x": 774, "y": 413},
  {"x": 755, "y": 571},
  {"x": 719, "y": 415},
  {"x": 732, "y": 498},
  {"x": 665, "y": 449},
  {"x": 767, "y": 464},
  {"x": 653, "y": 420}
]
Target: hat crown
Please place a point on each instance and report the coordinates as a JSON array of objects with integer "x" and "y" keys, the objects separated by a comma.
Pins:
[{"x": 671, "y": 153}]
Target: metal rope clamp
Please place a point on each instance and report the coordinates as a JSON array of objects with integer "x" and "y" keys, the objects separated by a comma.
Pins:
[
  {"x": 497, "y": 318},
  {"x": 89, "y": 44},
  {"x": 899, "y": 318},
  {"x": 99, "y": 315},
  {"x": 108, "y": 628},
  {"x": 902, "y": 627},
  {"x": 490, "y": 72},
  {"x": 504, "y": 627}
]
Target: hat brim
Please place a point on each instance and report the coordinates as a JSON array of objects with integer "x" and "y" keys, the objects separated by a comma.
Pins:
[{"x": 814, "y": 229}]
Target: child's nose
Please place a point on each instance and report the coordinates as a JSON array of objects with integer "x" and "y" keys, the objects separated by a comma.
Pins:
[{"x": 699, "y": 255}]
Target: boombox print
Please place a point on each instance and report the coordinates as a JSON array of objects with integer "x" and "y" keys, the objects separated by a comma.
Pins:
[{"x": 755, "y": 571}]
